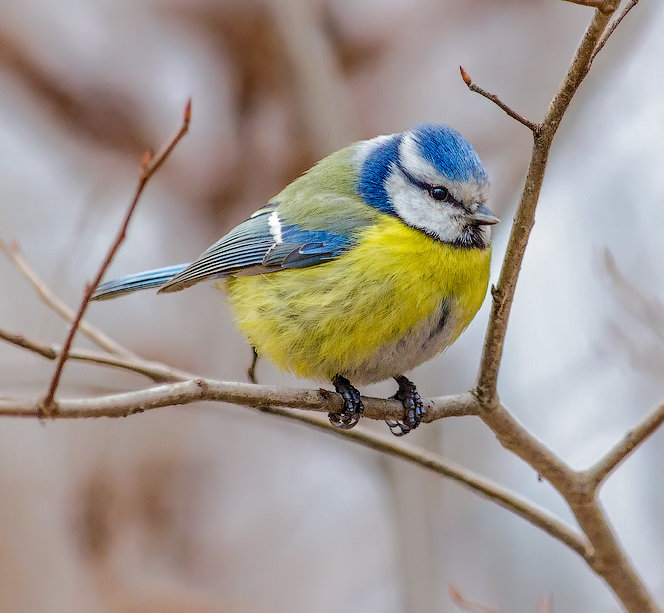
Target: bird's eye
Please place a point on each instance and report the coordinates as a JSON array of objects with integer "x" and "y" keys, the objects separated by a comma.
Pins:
[{"x": 439, "y": 193}]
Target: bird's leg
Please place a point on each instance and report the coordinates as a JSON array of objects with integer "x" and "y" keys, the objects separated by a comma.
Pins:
[
  {"x": 353, "y": 407},
  {"x": 413, "y": 407},
  {"x": 251, "y": 371}
]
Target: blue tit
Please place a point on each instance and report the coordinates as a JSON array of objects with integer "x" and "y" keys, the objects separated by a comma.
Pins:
[{"x": 369, "y": 264}]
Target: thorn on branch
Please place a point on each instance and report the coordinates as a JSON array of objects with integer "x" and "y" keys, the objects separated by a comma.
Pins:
[{"x": 533, "y": 127}]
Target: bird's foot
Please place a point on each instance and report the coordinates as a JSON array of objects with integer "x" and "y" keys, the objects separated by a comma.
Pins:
[
  {"x": 413, "y": 407},
  {"x": 353, "y": 407}
]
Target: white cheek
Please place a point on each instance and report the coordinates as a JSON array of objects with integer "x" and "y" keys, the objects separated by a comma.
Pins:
[{"x": 417, "y": 209}]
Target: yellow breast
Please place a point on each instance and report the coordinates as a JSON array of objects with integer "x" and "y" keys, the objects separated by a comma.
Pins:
[{"x": 337, "y": 316}]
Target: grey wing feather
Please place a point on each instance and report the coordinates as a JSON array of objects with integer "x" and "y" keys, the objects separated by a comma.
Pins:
[
  {"x": 243, "y": 247},
  {"x": 136, "y": 282}
]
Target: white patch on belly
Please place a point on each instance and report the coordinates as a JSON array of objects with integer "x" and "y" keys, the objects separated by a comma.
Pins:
[{"x": 418, "y": 345}]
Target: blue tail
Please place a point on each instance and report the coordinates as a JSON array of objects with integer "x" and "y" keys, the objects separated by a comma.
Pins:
[{"x": 136, "y": 282}]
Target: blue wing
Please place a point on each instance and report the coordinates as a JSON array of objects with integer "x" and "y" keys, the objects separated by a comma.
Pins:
[
  {"x": 263, "y": 243},
  {"x": 136, "y": 282}
]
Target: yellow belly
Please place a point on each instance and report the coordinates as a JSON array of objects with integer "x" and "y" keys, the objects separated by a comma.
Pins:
[{"x": 344, "y": 315}]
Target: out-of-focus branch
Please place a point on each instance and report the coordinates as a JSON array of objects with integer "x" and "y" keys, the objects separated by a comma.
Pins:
[
  {"x": 647, "y": 309},
  {"x": 150, "y": 164},
  {"x": 467, "y": 605},
  {"x": 636, "y": 435},
  {"x": 100, "y": 339},
  {"x": 321, "y": 91}
]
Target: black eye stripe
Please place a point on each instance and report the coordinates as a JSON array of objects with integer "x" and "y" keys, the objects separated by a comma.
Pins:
[{"x": 429, "y": 188}]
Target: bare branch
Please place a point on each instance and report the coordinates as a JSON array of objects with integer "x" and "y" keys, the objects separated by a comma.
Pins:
[
  {"x": 601, "y": 5},
  {"x": 533, "y": 127},
  {"x": 611, "y": 29},
  {"x": 277, "y": 401},
  {"x": 150, "y": 165},
  {"x": 247, "y": 394},
  {"x": 52, "y": 301},
  {"x": 608, "y": 561},
  {"x": 503, "y": 294},
  {"x": 156, "y": 371},
  {"x": 637, "y": 435}
]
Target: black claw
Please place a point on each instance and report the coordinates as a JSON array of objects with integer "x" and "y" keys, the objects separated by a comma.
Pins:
[
  {"x": 413, "y": 407},
  {"x": 353, "y": 407}
]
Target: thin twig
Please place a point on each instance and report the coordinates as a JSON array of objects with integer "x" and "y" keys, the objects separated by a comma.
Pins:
[
  {"x": 611, "y": 29},
  {"x": 533, "y": 127},
  {"x": 600, "y": 5},
  {"x": 156, "y": 371},
  {"x": 98, "y": 337},
  {"x": 636, "y": 435},
  {"x": 150, "y": 164}
]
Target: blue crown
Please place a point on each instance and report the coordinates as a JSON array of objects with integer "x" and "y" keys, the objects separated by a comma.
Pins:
[
  {"x": 444, "y": 148},
  {"x": 449, "y": 153}
]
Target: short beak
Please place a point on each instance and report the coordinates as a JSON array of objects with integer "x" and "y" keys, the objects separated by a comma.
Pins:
[{"x": 484, "y": 217}]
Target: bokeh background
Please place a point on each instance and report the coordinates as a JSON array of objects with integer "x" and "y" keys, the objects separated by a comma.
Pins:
[{"x": 216, "y": 508}]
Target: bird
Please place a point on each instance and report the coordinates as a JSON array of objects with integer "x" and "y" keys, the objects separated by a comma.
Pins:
[{"x": 367, "y": 265}]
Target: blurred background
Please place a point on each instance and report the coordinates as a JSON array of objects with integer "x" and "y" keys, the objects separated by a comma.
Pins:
[{"x": 208, "y": 508}]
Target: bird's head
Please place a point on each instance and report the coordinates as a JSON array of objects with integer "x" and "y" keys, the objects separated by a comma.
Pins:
[{"x": 432, "y": 179}]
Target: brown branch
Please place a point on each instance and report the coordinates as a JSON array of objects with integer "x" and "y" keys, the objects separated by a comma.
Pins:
[
  {"x": 278, "y": 401},
  {"x": 150, "y": 165},
  {"x": 246, "y": 394},
  {"x": 503, "y": 294},
  {"x": 156, "y": 371},
  {"x": 611, "y": 29},
  {"x": 533, "y": 127},
  {"x": 608, "y": 561},
  {"x": 100, "y": 339},
  {"x": 601, "y": 5},
  {"x": 601, "y": 549},
  {"x": 636, "y": 435}
]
